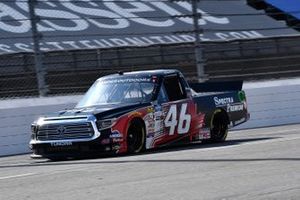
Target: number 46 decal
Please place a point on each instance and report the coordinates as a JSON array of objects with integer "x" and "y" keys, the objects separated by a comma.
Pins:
[{"x": 184, "y": 120}]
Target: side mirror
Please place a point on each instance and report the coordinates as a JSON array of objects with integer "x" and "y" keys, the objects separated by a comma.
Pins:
[{"x": 189, "y": 92}]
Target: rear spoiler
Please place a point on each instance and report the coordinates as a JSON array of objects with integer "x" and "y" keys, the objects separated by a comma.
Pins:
[{"x": 217, "y": 86}]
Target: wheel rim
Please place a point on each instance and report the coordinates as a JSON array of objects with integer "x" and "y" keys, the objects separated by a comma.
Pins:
[
  {"x": 219, "y": 129},
  {"x": 135, "y": 139}
]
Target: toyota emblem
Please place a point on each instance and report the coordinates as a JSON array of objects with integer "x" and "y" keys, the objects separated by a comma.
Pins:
[{"x": 61, "y": 130}]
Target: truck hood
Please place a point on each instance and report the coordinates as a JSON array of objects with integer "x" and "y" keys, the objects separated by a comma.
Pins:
[{"x": 100, "y": 111}]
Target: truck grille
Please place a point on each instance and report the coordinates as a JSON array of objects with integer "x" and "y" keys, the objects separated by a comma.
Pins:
[{"x": 78, "y": 130}]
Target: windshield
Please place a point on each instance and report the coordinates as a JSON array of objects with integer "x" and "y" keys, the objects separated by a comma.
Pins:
[{"x": 115, "y": 91}]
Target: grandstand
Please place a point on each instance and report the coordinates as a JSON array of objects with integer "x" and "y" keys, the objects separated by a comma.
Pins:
[
  {"x": 288, "y": 10},
  {"x": 239, "y": 40}
]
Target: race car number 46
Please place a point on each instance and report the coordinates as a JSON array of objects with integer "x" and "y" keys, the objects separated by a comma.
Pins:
[{"x": 183, "y": 122}]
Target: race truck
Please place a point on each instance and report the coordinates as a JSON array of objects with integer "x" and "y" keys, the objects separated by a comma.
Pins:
[{"x": 134, "y": 111}]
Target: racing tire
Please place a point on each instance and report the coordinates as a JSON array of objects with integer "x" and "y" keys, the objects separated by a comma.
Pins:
[
  {"x": 219, "y": 126},
  {"x": 136, "y": 137}
]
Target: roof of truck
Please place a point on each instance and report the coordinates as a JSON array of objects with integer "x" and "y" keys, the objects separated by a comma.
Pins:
[{"x": 143, "y": 73}]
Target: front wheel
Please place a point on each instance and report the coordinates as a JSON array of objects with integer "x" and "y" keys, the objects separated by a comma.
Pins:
[
  {"x": 219, "y": 126},
  {"x": 136, "y": 137}
]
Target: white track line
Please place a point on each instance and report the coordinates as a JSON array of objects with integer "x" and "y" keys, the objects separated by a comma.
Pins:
[
  {"x": 16, "y": 176},
  {"x": 252, "y": 143},
  {"x": 266, "y": 131}
]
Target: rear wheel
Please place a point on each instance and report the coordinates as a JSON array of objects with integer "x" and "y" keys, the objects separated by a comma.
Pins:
[
  {"x": 136, "y": 137},
  {"x": 219, "y": 126}
]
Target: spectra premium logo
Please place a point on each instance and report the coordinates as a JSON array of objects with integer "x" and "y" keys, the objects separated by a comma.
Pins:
[{"x": 223, "y": 101}]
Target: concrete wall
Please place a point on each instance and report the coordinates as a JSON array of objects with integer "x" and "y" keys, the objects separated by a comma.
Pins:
[
  {"x": 273, "y": 103},
  {"x": 17, "y": 115},
  {"x": 270, "y": 103}
]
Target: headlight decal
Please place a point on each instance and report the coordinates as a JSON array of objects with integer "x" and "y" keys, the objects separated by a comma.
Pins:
[{"x": 105, "y": 124}]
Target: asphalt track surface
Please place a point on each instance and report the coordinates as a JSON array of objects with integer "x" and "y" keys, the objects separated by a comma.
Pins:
[{"x": 252, "y": 164}]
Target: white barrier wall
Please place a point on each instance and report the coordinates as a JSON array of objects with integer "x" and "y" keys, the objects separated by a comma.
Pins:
[
  {"x": 17, "y": 115},
  {"x": 272, "y": 103},
  {"x": 269, "y": 103}
]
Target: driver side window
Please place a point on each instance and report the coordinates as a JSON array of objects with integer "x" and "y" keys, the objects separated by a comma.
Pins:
[{"x": 174, "y": 88}]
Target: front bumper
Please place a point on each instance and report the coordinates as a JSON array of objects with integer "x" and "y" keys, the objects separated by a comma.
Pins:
[
  {"x": 74, "y": 148},
  {"x": 99, "y": 143}
]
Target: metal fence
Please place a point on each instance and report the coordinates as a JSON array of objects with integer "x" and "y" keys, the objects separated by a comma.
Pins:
[
  {"x": 73, "y": 71},
  {"x": 70, "y": 72}
]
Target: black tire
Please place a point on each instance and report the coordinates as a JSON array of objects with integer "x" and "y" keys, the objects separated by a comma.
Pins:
[
  {"x": 136, "y": 137},
  {"x": 219, "y": 126}
]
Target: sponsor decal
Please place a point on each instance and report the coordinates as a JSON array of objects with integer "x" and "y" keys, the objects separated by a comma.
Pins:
[
  {"x": 235, "y": 107},
  {"x": 105, "y": 141},
  {"x": 204, "y": 134},
  {"x": 150, "y": 109},
  {"x": 124, "y": 80},
  {"x": 116, "y": 134},
  {"x": 149, "y": 118},
  {"x": 115, "y": 140},
  {"x": 151, "y": 125},
  {"x": 59, "y": 144},
  {"x": 223, "y": 101},
  {"x": 116, "y": 147},
  {"x": 158, "y": 115},
  {"x": 151, "y": 134}
]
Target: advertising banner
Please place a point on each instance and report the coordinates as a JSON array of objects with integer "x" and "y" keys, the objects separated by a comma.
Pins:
[{"x": 89, "y": 24}]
